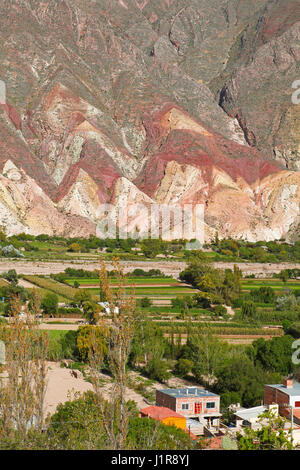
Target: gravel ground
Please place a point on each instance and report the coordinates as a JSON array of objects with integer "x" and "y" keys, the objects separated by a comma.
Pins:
[{"x": 167, "y": 267}]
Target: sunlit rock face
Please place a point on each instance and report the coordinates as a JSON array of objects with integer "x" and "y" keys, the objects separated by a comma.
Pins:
[{"x": 169, "y": 102}]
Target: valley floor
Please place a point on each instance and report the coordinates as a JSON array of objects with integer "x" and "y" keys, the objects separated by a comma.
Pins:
[{"x": 172, "y": 268}]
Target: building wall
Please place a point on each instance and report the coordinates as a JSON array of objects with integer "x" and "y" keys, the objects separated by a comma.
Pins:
[
  {"x": 192, "y": 400},
  {"x": 173, "y": 421},
  {"x": 272, "y": 395},
  {"x": 162, "y": 399}
]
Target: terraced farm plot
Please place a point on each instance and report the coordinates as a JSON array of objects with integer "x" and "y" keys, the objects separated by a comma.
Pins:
[
  {"x": 65, "y": 292},
  {"x": 277, "y": 285},
  {"x": 42, "y": 292},
  {"x": 162, "y": 290},
  {"x": 47, "y": 246},
  {"x": 158, "y": 289},
  {"x": 155, "y": 292},
  {"x": 94, "y": 282},
  {"x": 3, "y": 283}
]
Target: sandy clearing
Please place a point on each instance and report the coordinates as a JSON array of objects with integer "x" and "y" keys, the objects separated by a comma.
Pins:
[{"x": 62, "y": 386}]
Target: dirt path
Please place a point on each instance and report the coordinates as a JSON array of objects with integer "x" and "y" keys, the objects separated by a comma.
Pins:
[{"x": 47, "y": 326}]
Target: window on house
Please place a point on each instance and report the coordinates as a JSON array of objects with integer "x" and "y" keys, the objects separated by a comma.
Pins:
[
  {"x": 185, "y": 406},
  {"x": 210, "y": 404}
]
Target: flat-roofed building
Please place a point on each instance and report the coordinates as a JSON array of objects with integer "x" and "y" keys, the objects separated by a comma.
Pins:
[
  {"x": 252, "y": 417},
  {"x": 285, "y": 395},
  {"x": 192, "y": 402}
]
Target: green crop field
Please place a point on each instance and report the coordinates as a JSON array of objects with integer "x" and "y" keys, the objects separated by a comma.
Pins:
[
  {"x": 42, "y": 292},
  {"x": 161, "y": 290},
  {"x": 155, "y": 291},
  {"x": 57, "y": 334},
  {"x": 128, "y": 281},
  {"x": 64, "y": 291},
  {"x": 248, "y": 284}
]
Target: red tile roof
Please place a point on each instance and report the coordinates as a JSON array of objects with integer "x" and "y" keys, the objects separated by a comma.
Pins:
[{"x": 160, "y": 412}]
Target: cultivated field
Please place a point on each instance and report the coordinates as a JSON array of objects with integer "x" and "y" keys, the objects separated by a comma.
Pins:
[{"x": 161, "y": 292}]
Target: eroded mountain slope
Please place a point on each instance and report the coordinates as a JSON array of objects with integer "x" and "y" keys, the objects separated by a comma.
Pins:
[{"x": 166, "y": 101}]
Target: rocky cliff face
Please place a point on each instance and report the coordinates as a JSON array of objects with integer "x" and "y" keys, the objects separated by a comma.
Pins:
[{"x": 161, "y": 101}]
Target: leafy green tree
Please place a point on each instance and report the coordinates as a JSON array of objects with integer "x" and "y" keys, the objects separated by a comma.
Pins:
[
  {"x": 294, "y": 330},
  {"x": 49, "y": 304},
  {"x": 85, "y": 340},
  {"x": 91, "y": 312},
  {"x": 146, "y": 302},
  {"x": 11, "y": 294},
  {"x": 229, "y": 398},
  {"x": 231, "y": 288},
  {"x": 216, "y": 286},
  {"x": 148, "y": 434},
  {"x": 68, "y": 342},
  {"x": 283, "y": 275},
  {"x": 77, "y": 425},
  {"x": 148, "y": 341},
  {"x": 11, "y": 276},
  {"x": 183, "y": 367},
  {"x": 81, "y": 296},
  {"x": 184, "y": 311},
  {"x": 2, "y": 236},
  {"x": 207, "y": 354},
  {"x": 286, "y": 325},
  {"x": 74, "y": 247},
  {"x": 183, "y": 301},
  {"x": 157, "y": 369},
  {"x": 271, "y": 435},
  {"x": 240, "y": 375},
  {"x": 151, "y": 247},
  {"x": 264, "y": 294},
  {"x": 249, "y": 310},
  {"x": 259, "y": 254},
  {"x": 275, "y": 354},
  {"x": 287, "y": 303}
]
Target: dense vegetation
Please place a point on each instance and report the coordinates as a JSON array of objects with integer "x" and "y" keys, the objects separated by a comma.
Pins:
[{"x": 47, "y": 247}]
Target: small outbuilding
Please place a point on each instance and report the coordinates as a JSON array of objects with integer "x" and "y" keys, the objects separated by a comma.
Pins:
[{"x": 165, "y": 415}]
